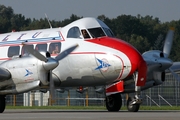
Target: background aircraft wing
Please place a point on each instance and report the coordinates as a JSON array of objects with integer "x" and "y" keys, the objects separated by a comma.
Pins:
[{"x": 174, "y": 69}]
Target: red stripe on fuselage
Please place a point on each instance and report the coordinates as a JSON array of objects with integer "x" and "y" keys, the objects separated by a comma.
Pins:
[
  {"x": 5, "y": 58},
  {"x": 30, "y": 43},
  {"x": 122, "y": 46},
  {"x": 120, "y": 74}
]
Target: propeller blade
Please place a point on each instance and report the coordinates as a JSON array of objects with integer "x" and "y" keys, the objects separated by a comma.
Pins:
[
  {"x": 35, "y": 53},
  {"x": 66, "y": 52},
  {"x": 51, "y": 87},
  {"x": 175, "y": 75},
  {"x": 168, "y": 42}
]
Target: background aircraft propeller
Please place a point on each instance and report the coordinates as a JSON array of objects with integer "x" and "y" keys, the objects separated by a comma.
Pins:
[
  {"x": 166, "y": 51},
  {"x": 168, "y": 43}
]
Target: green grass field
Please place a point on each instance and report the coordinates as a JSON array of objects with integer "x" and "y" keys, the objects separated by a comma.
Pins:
[{"x": 92, "y": 107}]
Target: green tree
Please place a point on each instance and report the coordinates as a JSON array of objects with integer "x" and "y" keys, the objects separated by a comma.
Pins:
[
  {"x": 140, "y": 43},
  {"x": 5, "y": 15}
]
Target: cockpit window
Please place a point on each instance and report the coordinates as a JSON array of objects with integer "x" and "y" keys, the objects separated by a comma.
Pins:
[
  {"x": 85, "y": 33},
  {"x": 96, "y": 32},
  {"x": 108, "y": 32},
  {"x": 74, "y": 32}
]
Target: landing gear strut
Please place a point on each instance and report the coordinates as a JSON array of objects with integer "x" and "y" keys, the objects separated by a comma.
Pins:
[
  {"x": 2, "y": 103},
  {"x": 133, "y": 104},
  {"x": 114, "y": 102}
]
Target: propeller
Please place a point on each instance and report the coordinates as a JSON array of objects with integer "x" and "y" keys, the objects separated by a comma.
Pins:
[
  {"x": 35, "y": 53},
  {"x": 166, "y": 51},
  {"x": 163, "y": 60},
  {"x": 49, "y": 62},
  {"x": 175, "y": 75},
  {"x": 168, "y": 43}
]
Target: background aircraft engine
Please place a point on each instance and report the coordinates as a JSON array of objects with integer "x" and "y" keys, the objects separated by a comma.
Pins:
[{"x": 158, "y": 61}]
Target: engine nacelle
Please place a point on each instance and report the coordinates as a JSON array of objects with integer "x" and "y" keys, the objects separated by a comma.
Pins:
[
  {"x": 158, "y": 77},
  {"x": 25, "y": 70},
  {"x": 153, "y": 55},
  {"x": 157, "y": 61}
]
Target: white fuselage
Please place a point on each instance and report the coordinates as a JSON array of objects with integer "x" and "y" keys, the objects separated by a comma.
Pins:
[{"x": 99, "y": 60}]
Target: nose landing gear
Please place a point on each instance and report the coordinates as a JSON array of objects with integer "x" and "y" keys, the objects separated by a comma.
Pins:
[{"x": 133, "y": 104}]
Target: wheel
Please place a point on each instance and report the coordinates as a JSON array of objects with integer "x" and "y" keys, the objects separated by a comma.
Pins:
[
  {"x": 132, "y": 108},
  {"x": 2, "y": 103},
  {"x": 114, "y": 102}
]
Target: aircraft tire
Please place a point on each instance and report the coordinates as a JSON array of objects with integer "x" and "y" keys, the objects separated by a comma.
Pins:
[
  {"x": 132, "y": 108},
  {"x": 2, "y": 103},
  {"x": 114, "y": 102}
]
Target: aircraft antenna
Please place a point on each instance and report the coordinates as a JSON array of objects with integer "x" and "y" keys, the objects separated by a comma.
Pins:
[{"x": 48, "y": 21}]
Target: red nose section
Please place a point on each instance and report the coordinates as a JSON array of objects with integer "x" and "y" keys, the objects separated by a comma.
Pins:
[
  {"x": 142, "y": 71},
  {"x": 137, "y": 62}
]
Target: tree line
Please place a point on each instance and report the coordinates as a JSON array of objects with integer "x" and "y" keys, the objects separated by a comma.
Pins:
[{"x": 145, "y": 33}]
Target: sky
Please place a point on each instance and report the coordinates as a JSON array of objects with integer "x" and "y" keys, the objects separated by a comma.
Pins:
[{"x": 165, "y": 10}]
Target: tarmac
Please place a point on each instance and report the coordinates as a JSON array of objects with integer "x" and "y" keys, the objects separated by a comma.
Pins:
[{"x": 29, "y": 114}]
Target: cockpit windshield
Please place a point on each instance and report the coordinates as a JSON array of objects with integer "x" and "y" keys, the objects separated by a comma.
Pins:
[
  {"x": 108, "y": 32},
  {"x": 99, "y": 32},
  {"x": 96, "y": 32}
]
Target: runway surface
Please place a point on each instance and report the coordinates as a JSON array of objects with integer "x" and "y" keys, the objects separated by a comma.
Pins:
[{"x": 87, "y": 115}]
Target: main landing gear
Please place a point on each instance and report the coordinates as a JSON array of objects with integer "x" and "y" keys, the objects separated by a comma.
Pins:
[
  {"x": 114, "y": 103},
  {"x": 2, "y": 103}
]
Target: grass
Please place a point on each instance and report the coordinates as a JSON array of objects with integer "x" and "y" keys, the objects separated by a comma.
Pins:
[
  {"x": 58, "y": 107},
  {"x": 91, "y": 107}
]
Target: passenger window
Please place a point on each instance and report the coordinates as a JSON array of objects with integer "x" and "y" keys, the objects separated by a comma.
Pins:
[
  {"x": 24, "y": 51},
  {"x": 55, "y": 48},
  {"x": 12, "y": 51},
  {"x": 41, "y": 47},
  {"x": 85, "y": 34},
  {"x": 73, "y": 33}
]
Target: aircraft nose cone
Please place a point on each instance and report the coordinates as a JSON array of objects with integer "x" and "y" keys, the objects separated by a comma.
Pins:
[
  {"x": 138, "y": 65},
  {"x": 137, "y": 62}
]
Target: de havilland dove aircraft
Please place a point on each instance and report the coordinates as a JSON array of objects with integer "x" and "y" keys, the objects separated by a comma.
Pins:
[{"x": 83, "y": 53}]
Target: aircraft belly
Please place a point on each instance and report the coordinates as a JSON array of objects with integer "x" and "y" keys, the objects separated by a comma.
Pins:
[
  {"x": 79, "y": 70},
  {"x": 89, "y": 70}
]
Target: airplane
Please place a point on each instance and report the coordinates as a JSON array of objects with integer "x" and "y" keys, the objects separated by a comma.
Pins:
[{"x": 82, "y": 53}]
